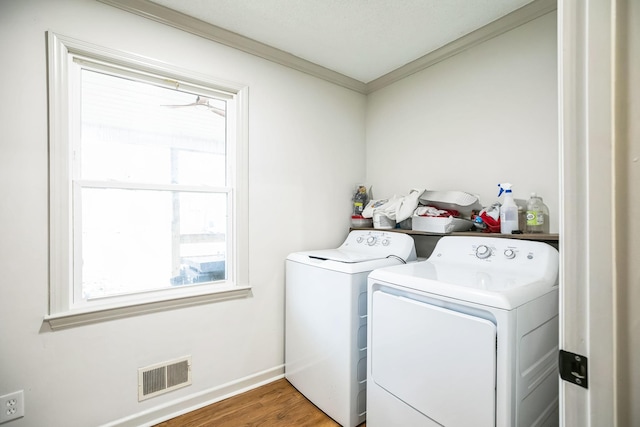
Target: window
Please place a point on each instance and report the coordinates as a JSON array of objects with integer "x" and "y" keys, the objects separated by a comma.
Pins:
[{"x": 148, "y": 185}]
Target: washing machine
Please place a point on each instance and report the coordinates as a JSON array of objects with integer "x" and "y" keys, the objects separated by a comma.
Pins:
[
  {"x": 326, "y": 319},
  {"x": 468, "y": 337}
]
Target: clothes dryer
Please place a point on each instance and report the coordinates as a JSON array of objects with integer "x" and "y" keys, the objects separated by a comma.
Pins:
[
  {"x": 326, "y": 319},
  {"x": 467, "y": 338}
]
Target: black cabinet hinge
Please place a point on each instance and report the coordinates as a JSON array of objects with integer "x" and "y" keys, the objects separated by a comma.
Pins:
[{"x": 573, "y": 368}]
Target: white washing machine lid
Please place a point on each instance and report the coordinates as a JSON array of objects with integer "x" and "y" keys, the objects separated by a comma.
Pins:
[
  {"x": 363, "y": 250},
  {"x": 343, "y": 261},
  {"x": 342, "y": 255},
  {"x": 500, "y": 289}
]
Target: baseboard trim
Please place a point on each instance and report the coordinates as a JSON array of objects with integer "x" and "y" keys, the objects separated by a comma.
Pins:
[{"x": 199, "y": 400}]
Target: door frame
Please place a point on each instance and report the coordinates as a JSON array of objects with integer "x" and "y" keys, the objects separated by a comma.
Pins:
[{"x": 587, "y": 64}]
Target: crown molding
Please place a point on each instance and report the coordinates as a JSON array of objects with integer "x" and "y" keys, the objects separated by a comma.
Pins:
[
  {"x": 508, "y": 22},
  {"x": 214, "y": 33}
]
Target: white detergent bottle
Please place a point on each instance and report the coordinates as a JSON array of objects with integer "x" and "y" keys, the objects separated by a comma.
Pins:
[{"x": 508, "y": 210}]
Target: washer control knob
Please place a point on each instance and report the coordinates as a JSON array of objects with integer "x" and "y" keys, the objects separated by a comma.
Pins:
[
  {"x": 371, "y": 241},
  {"x": 509, "y": 253},
  {"x": 360, "y": 239},
  {"x": 385, "y": 242},
  {"x": 483, "y": 252}
]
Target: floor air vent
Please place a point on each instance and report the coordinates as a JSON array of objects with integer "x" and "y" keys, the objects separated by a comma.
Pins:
[{"x": 163, "y": 377}]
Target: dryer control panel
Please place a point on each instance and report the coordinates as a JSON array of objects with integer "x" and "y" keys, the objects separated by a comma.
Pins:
[
  {"x": 495, "y": 253},
  {"x": 483, "y": 252}
]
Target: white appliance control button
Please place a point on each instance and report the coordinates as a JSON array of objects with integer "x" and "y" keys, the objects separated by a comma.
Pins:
[
  {"x": 360, "y": 239},
  {"x": 483, "y": 252},
  {"x": 509, "y": 253},
  {"x": 385, "y": 242},
  {"x": 371, "y": 241}
]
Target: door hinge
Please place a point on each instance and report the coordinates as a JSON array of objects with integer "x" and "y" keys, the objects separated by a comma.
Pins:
[{"x": 573, "y": 368}]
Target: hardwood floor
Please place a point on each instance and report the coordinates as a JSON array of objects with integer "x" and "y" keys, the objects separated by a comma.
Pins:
[{"x": 275, "y": 404}]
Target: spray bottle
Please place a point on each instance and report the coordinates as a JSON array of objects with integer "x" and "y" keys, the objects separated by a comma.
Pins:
[{"x": 508, "y": 210}]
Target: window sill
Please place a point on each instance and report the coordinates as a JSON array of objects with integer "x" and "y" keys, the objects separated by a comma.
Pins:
[{"x": 74, "y": 318}]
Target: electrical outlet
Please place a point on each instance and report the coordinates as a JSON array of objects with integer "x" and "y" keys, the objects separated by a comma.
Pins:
[{"x": 11, "y": 406}]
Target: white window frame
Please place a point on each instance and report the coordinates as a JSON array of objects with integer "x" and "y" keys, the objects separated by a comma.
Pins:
[{"x": 62, "y": 52}]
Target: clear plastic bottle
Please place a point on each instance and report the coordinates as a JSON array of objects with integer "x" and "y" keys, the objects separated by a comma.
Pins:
[
  {"x": 537, "y": 215},
  {"x": 508, "y": 210}
]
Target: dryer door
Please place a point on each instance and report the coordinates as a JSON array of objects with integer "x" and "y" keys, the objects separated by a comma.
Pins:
[{"x": 440, "y": 362}]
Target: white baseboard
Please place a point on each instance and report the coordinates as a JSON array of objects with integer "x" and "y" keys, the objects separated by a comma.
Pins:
[{"x": 198, "y": 400}]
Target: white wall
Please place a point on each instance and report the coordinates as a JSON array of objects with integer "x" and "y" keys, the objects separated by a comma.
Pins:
[
  {"x": 485, "y": 116},
  {"x": 443, "y": 128},
  {"x": 306, "y": 145}
]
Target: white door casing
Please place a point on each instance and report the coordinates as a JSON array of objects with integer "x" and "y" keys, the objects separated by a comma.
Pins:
[{"x": 588, "y": 287}]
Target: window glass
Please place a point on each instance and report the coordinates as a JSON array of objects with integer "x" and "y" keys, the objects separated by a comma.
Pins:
[
  {"x": 140, "y": 240},
  {"x": 136, "y": 131},
  {"x": 152, "y": 175}
]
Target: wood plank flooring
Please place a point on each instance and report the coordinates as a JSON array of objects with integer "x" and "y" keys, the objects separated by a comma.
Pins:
[{"x": 274, "y": 404}]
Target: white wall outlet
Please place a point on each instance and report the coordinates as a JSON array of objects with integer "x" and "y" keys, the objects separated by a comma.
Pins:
[{"x": 11, "y": 406}]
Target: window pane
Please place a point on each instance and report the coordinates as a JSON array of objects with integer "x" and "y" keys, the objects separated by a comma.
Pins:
[
  {"x": 141, "y": 240},
  {"x": 138, "y": 132}
]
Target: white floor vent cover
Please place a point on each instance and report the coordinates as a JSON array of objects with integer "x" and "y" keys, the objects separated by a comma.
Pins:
[{"x": 163, "y": 377}]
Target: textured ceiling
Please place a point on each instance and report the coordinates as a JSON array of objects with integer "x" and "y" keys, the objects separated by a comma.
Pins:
[{"x": 362, "y": 39}]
